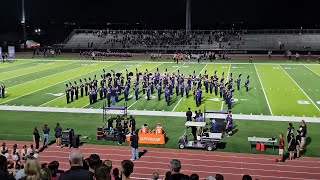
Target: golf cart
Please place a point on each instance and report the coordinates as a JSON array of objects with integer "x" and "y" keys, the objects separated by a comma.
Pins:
[{"x": 207, "y": 140}]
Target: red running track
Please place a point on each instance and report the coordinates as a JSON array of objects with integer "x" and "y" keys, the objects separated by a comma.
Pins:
[{"x": 230, "y": 165}]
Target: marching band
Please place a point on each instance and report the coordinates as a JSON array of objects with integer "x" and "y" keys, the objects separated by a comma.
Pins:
[{"x": 112, "y": 85}]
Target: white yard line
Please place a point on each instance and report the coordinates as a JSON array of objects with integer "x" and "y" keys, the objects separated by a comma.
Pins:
[
  {"x": 50, "y": 101},
  {"x": 311, "y": 70},
  {"x": 176, "y": 105},
  {"x": 300, "y": 88},
  {"x": 179, "y": 67},
  {"x": 132, "y": 104},
  {"x": 51, "y": 85},
  {"x": 181, "y": 97},
  {"x": 222, "y": 104},
  {"x": 265, "y": 95}
]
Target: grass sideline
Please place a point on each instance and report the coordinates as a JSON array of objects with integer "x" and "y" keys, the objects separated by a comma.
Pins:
[{"x": 19, "y": 126}]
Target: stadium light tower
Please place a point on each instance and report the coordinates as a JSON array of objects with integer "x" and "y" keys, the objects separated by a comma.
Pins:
[
  {"x": 188, "y": 15},
  {"x": 23, "y": 22}
]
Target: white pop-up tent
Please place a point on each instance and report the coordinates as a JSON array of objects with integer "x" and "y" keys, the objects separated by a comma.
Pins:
[{"x": 31, "y": 44}]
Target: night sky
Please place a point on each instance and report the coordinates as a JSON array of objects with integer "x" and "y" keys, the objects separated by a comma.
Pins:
[{"x": 206, "y": 14}]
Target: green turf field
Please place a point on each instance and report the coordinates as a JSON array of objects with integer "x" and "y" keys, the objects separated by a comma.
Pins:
[
  {"x": 286, "y": 89},
  {"x": 17, "y": 125}
]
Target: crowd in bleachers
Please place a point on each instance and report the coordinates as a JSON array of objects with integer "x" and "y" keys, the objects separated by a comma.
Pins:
[
  {"x": 89, "y": 169},
  {"x": 99, "y": 55},
  {"x": 165, "y": 38}
]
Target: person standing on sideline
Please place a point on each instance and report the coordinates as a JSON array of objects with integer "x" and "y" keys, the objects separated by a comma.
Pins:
[
  {"x": 134, "y": 144},
  {"x": 298, "y": 143},
  {"x": 36, "y": 138},
  {"x": 290, "y": 131},
  {"x": 281, "y": 148},
  {"x": 58, "y": 134},
  {"x": 250, "y": 60},
  {"x": 303, "y": 130},
  {"x": 291, "y": 147},
  {"x": 189, "y": 115},
  {"x": 229, "y": 125},
  {"x": 46, "y": 131},
  {"x": 132, "y": 124}
]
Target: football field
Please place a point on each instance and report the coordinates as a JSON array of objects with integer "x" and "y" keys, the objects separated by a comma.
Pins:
[{"x": 285, "y": 89}]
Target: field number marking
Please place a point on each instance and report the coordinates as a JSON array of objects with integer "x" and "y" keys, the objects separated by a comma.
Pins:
[
  {"x": 57, "y": 95},
  {"x": 303, "y": 102},
  {"x": 215, "y": 99}
]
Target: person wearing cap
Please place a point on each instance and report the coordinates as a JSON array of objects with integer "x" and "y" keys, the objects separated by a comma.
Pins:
[
  {"x": 71, "y": 91},
  {"x": 67, "y": 94},
  {"x": 81, "y": 88},
  {"x": 158, "y": 129},
  {"x": 247, "y": 84}
]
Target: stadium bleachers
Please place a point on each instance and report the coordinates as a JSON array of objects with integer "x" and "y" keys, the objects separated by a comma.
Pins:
[{"x": 302, "y": 40}]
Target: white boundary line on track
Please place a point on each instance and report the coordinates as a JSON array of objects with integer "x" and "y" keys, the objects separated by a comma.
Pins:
[
  {"x": 212, "y": 156},
  {"x": 180, "y": 97},
  {"x": 47, "y": 86},
  {"x": 143, "y": 162},
  {"x": 265, "y": 95},
  {"x": 311, "y": 70},
  {"x": 129, "y": 60},
  {"x": 192, "y": 171},
  {"x": 300, "y": 88},
  {"x": 196, "y": 166},
  {"x": 191, "y": 165},
  {"x": 271, "y": 157}
]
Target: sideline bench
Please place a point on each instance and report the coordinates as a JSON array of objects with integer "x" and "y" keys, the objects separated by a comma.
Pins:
[{"x": 254, "y": 140}]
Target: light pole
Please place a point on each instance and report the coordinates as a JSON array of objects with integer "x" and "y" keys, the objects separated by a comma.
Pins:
[
  {"x": 23, "y": 22},
  {"x": 188, "y": 16}
]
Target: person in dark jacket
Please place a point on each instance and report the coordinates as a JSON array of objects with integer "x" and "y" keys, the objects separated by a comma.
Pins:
[
  {"x": 189, "y": 115},
  {"x": 175, "y": 167},
  {"x": 76, "y": 171}
]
